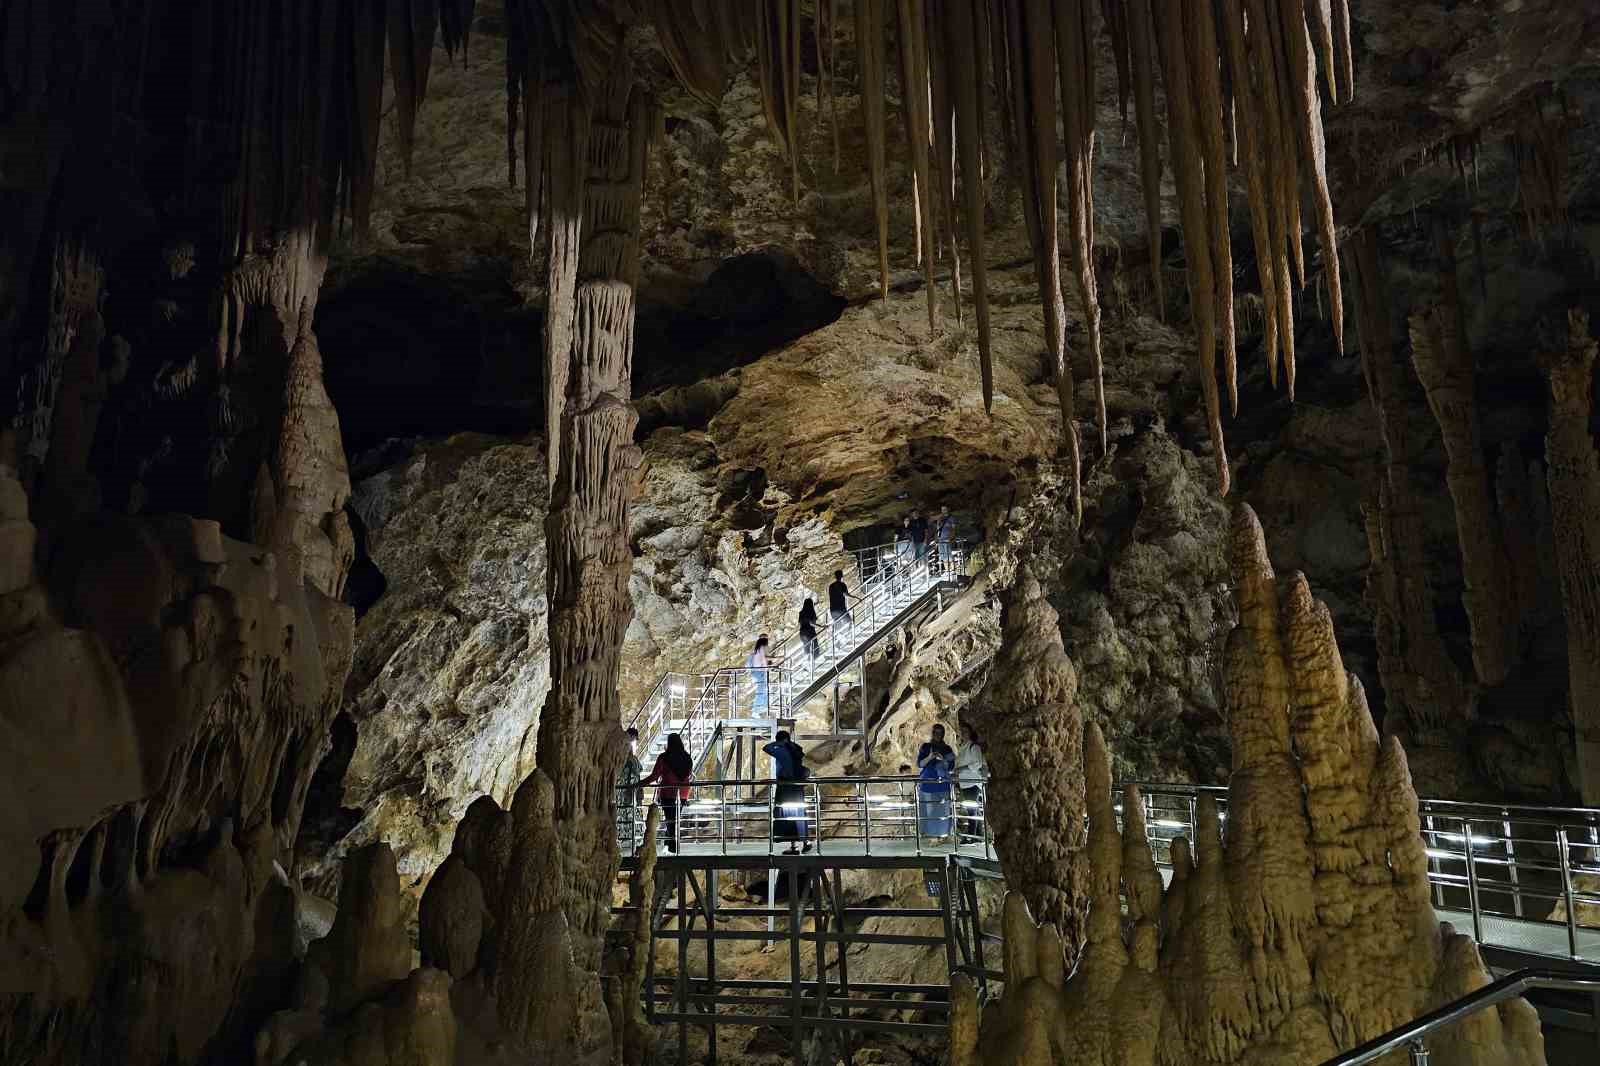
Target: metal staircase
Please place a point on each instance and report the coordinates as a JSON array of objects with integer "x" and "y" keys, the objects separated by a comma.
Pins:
[{"x": 721, "y": 713}]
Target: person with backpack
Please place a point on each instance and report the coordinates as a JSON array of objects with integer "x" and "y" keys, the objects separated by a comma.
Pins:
[
  {"x": 790, "y": 794},
  {"x": 672, "y": 771}
]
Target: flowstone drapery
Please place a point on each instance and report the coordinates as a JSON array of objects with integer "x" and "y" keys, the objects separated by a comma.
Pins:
[
  {"x": 1305, "y": 929},
  {"x": 1575, "y": 511}
]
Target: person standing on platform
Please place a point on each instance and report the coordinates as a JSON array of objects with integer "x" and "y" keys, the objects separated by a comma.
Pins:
[
  {"x": 628, "y": 793},
  {"x": 789, "y": 800},
  {"x": 672, "y": 772},
  {"x": 919, "y": 535},
  {"x": 944, "y": 531}
]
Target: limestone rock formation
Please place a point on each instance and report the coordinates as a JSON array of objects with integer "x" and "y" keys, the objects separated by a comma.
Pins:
[
  {"x": 191, "y": 686},
  {"x": 1028, "y": 721},
  {"x": 1306, "y": 928},
  {"x": 1574, "y": 471}
]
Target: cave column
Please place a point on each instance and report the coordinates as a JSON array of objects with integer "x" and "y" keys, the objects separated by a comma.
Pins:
[
  {"x": 598, "y": 132},
  {"x": 1574, "y": 476}
]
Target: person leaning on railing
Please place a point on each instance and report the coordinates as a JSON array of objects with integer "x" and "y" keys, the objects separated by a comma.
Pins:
[{"x": 628, "y": 792}]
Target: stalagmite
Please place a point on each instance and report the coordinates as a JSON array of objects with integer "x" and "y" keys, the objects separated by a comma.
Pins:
[
  {"x": 1305, "y": 929},
  {"x": 1026, "y": 717},
  {"x": 1183, "y": 136},
  {"x": 1574, "y": 474},
  {"x": 1444, "y": 365}
]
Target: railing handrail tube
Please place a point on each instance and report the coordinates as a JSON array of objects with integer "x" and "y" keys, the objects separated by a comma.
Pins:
[{"x": 1508, "y": 987}]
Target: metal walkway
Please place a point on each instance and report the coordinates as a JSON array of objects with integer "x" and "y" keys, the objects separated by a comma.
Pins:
[
  {"x": 1497, "y": 873},
  {"x": 805, "y": 681}
]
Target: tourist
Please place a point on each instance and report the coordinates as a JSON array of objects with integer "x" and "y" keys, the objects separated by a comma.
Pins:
[
  {"x": 672, "y": 771},
  {"x": 936, "y": 749},
  {"x": 790, "y": 795},
  {"x": 971, "y": 774},
  {"x": 757, "y": 665},
  {"x": 839, "y": 600},
  {"x": 628, "y": 793},
  {"x": 918, "y": 526},
  {"x": 902, "y": 544},
  {"x": 808, "y": 628},
  {"x": 944, "y": 529}
]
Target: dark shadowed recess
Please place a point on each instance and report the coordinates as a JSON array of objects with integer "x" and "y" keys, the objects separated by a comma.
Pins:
[{"x": 414, "y": 354}]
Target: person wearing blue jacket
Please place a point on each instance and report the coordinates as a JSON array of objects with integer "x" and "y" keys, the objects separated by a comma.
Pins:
[{"x": 790, "y": 798}]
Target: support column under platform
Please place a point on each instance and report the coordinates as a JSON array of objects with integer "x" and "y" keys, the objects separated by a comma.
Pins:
[{"x": 817, "y": 933}]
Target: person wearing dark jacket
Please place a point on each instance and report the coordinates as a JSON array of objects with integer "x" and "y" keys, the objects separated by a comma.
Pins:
[
  {"x": 790, "y": 798},
  {"x": 919, "y": 535},
  {"x": 672, "y": 771},
  {"x": 808, "y": 628}
]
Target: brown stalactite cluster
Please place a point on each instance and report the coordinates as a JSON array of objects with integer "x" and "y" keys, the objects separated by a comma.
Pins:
[
  {"x": 1574, "y": 472},
  {"x": 1540, "y": 148},
  {"x": 1307, "y": 927},
  {"x": 1266, "y": 84}
]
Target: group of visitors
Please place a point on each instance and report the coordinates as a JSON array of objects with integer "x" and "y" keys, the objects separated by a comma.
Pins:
[
  {"x": 940, "y": 771},
  {"x": 919, "y": 535}
]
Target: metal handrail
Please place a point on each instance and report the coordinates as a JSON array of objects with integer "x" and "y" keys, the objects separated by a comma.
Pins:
[
  {"x": 1413, "y": 1034},
  {"x": 1521, "y": 862},
  {"x": 779, "y": 683},
  {"x": 828, "y": 812}
]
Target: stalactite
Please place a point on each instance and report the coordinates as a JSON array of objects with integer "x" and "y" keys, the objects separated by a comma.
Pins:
[
  {"x": 914, "y": 82},
  {"x": 1250, "y": 133},
  {"x": 1343, "y": 53},
  {"x": 1313, "y": 148},
  {"x": 1445, "y": 367},
  {"x": 1282, "y": 189},
  {"x": 966, "y": 80},
  {"x": 1141, "y": 45},
  {"x": 778, "y": 57},
  {"x": 870, "y": 58},
  {"x": 1200, "y": 37},
  {"x": 1075, "y": 53},
  {"x": 1031, "y": 77},
  {"x": 1574, "y": 475},
  {"x": 411, "y": 27},
  {"x": 942, "y": 125},
  {"x": 1539, "y": 147},
  {"x": 1183, "y": 138}
]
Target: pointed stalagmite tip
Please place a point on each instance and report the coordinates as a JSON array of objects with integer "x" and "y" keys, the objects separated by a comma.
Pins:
[{"x": 1247, "y": 544}]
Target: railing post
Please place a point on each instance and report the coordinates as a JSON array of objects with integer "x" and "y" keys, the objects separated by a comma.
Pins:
[
  {"x": 1566, "y": 891},
  {"x": 1418, "y": 1051},
  {"x": 816, "y": 826},
  {"x": 1511, "y": 863},
  {"x": 866, "y": 816},
  {"x": 722, "y": 816},
  {"x": 916, "y": 815},
  {"x": 1472, "y": 882},
  {"x": 1431, "y": 846}
]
